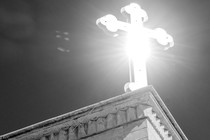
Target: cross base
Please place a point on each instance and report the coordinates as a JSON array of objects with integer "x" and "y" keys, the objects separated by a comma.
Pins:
[{"x": 131, "y": 86}]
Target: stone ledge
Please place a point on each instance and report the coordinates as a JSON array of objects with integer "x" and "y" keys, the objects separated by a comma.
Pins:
[
  {"x": 156, "y": 122},
  {"x": 84, "y": 128},
  {"x": 102, "y": 116}
]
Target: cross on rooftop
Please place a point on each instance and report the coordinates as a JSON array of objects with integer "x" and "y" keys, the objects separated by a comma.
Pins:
[{"x": 137, "y": 46}]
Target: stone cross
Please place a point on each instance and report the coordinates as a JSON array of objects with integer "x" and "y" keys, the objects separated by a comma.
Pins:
[{"x": 137, "y": 38}]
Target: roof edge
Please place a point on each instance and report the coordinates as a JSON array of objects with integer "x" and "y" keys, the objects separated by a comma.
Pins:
[
  {"x": 74, "y": 113},
  {"x": 168, "y": 113},
  {"x": 83, "y": 110}
]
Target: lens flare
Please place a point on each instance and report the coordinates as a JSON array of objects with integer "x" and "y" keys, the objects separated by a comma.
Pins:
[{"x": 137, "y": 47}]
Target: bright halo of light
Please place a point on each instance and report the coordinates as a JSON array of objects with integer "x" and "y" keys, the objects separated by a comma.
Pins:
[
  {"x": 161, "y": 36},
  {"x": 111, "y": 22},
  {"x": 137, "y": 47}
]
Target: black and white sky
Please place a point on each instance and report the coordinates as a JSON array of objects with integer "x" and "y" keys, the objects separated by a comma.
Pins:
[{"x": 54, "y": 59}]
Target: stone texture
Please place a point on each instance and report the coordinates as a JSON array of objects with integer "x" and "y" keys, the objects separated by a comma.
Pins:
[
  {"x": 153, "y": 133},
  {"x": 135, "y": 130},
  {"x": 62, "y": 135},
  {"x": 111, "y": 121},
  {"x": 131, "y": 114},
  {"x": 156, "y": 121},
  {"x": 121, "y": 118},
  {"x": 101, "y": 124},
  {"x": 81, "y": 130},
  {"x": 139, "y": 111},
  {"x": 72, "y": 133},
  {"x": 114, "y": 134},
  {"x": 43, "y": 138},
  {"x": 92, "y": 127},
  {"x": 52, "y": 137}
]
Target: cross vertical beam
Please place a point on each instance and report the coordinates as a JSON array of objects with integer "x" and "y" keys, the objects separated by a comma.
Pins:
[{"x": 137, "y": 41}]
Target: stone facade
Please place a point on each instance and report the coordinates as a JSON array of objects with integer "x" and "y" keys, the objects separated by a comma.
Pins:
[{"x": 139, "y": 115}]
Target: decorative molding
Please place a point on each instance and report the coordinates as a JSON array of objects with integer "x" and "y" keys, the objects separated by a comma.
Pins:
[
  {"x": 104, "y": 123},
  {"x": 98, "y": 118},
  {"x": 156, "y": 122}
]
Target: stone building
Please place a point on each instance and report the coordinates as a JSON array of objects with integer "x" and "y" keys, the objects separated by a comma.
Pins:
[{"x": 137, "y": 115}]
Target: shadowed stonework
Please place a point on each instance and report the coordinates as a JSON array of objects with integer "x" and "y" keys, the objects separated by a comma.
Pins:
[{"x": 138, "y": 115}]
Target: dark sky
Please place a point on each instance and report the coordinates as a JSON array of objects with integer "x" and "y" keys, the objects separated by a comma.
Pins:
[{"x": 54, "y": 59}]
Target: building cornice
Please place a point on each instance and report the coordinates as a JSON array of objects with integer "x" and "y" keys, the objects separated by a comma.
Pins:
[{"x": 105, "y": 115}]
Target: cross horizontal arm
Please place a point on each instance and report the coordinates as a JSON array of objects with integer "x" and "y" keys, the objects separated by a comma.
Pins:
[
  {"x": 160, "y": 35},
  {"x": 109, "y": 23}
]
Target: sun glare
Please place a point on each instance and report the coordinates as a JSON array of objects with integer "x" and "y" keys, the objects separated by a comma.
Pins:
[
  {"x": 137, "y": 47},
  {"x": 137, "y": 42}
]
